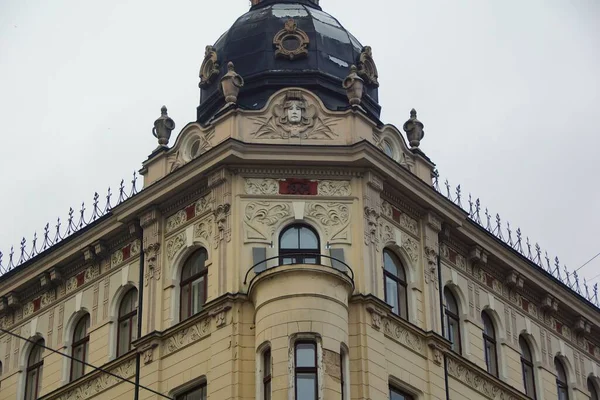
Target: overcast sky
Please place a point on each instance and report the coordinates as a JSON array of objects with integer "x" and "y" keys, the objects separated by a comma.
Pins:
[{"x": 508, "y": 91}]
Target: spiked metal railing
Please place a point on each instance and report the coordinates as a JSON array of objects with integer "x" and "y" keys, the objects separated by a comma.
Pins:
[
  {"x": 504, "y": 233},
  {"x": 75, "y": 222}
]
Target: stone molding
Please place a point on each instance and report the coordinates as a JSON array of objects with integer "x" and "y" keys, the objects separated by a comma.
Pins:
[{"x": 271, "y": 186}]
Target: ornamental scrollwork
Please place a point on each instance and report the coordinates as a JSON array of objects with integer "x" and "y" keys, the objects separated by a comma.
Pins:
[
  {"x": 334, "y": 188},
  {"x": 204, "y": 229},
  {"x": 478, "y": 381},
  {"x": 209, "y": 70},
  {"x": 334, "y": 217},
  {"x": 291, "y": 42},
  {"x": 260, "y": 218},
  {"x": 260, "y": 186},
  {"x": 186, "y": 336},
  {"x": 175, "y": 244},
  {"x": 402, "y": 335},
  {"x": 367, "y": 69},
  {"x": 411, "y": 247}
]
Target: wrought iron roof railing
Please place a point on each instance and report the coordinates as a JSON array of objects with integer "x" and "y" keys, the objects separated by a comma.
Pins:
[
  {"x": 75, "y": 223},
  {"x": 514, "y": 240}
]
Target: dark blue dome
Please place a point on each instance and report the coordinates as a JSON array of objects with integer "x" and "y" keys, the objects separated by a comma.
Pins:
[{"x": 249, "y": 45}]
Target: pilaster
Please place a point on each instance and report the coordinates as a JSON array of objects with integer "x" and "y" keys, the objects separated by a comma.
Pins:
[
  {"x": 220, "y": 183},
  {"x": 372, "y": 211},
  {"x": 432, "y": 226},
  {"x": 151, "y": 223}
]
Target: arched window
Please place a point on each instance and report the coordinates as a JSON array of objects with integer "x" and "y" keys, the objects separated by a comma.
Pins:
[
  {"x": 299, "y": 244},
  {"x": 561, "y": 380},
  {"x": 193, "y": 284},
  {"x": 387, "y": 148},
  {"x": 527, "y": 368},
  {"x": 127, "y": 328},
  {"x": 489, "y": 344},
  {"x": 452, "y": 320},
  {"x": 592, "y": 389},
  {"x": 81, "y": 342},
  {"x": 395, "y": 284},
  {"x": 35, "y": 364}
]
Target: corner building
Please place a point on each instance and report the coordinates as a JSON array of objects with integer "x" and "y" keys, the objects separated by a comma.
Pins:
[{"x": 290, "y": 246}]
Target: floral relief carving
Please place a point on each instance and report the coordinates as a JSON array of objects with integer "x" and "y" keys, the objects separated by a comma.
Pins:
[
  {"x": 204, "y": 229},
  {"x": 334, "y": 217},
  {"x": 294, "y": 117},
  {"x": 334, "y": 188},
  {"x": 260, "y": 186},
  {"x": 116, "y": 258},
  {"x": 411, "y": 247},
  {"x": 387, "y": 232},
  {"x": 479, "y": 382},
  {"x": 186, "y": 336},
  {"x": 48, "y": 297},
  {"x": 403, "y": 220},
  {"x": 175, "y": 221},
  {"x": 28, "y": 309},
  {"x": 200, "y": 207},
  {"x": 94, "y": 271},
  {"x": 71, "y": 284},
  {"x": 260, "y": 218},
  {"x": 402, "y": 335},
  {"x": 175, "y": 244}
]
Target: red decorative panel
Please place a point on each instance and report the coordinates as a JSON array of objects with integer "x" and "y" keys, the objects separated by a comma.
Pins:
[
  {"x": 591, "y": 348},
  {"x": 396, "y": 214},
  {"x": 80, "y": 278},
  {"x": 559, "y": 327},
  {"x": 126, "y": 252},
  {"x": 298, "y": 186},
  {"x": 452, "y": 256},
  {"x": 37, "y": 303},
  {"x": 489, "y": 280},
  {"x": 525, "y": 304},
  {"x": 190, "y": 211}
]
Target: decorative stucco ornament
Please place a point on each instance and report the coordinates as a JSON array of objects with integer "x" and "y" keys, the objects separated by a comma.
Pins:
[
  {"x": 367, "y": 68},
  {"x": 414, "y": 129},
  {"x": 291, "y": 42},
  {"x": 354, "y": 86},
  {"x": 231, "y": 83},
  {"x": 209, "y": 70},
  {"x": 163, "y": 127}
]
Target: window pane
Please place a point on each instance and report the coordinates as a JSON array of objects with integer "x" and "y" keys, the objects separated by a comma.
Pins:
[
  {"x": 488, "y": 326},
  {"x": 198, "y": 294},
  {"x": 453, "y": 334},
  {"x": 396, "y": 395},
  {"x": 267, "y": 363},
  {"x": 592, "y": 389},
  {"x": 306, "y": 386},
  {"x": 77, "y": 367},
  {"x": 450, "y": 301},
  {"x": 402, "y": 306},
  {"x": 308, "y": 240},
  {"x": 562, "y": 394},
  {"x": 310, "y": 260},
  {"x": 391, "y": 293},
  {"x": 81, "y": 328},
  {"x": 124, "y": 339},
  {"x": 289, "y": 239},
  {"x": 268, "y": 391},
  {"x": 133, "y": 328},
  {"x": 528, "y": 380},
  {"x": 185, "y": 301},
  {"x": 31, "y": 385},
  {"x": 305, "y": 355},
  {"x": 389, "y": 264},
  {"x": 387, "y": 148},
  {"x": 525, "y": 352},
  {"x": 490, "y": 357}
]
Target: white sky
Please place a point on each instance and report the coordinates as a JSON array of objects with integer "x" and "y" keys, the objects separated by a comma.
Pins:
[{"x": 508, "y": 92}]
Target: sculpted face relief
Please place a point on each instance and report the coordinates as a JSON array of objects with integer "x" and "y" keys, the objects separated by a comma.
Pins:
[{"x": 294, "y": 112}]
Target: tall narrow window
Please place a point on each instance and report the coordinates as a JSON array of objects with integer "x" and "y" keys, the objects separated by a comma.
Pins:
[
  {"x": 193, "y": 284},
  {"x": 35, "y": 363},
  {"x": 592, "y": 389},
  {"x": 395, "y": 284},
  {"x": 127, "y": 328},
  {"x": 80, "y": 347},
  {"x": 343, "y": 378},
  {"x": 306, "y": 371},
  {"x": 561, "y": 380},
  {"x": 197, "y": 393},
  {"x": 452, "y": 320},
  {"x": 299, "y": 244},
  {"x": 396, "y": 394},
  {"x": 489, "y": 344},
  {"x": 267, "y": 374},
  {"x": 527, "y": 368}
]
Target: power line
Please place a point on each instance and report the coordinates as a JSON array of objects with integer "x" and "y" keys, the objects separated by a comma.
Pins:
[
  {"x": 589, "y": 261},
  {"x": 85, "y": 363}
]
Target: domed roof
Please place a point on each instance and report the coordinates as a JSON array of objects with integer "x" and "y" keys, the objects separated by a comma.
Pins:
[{"x": 251, "y": 45}]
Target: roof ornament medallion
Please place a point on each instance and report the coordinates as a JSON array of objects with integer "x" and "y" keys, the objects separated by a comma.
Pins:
[
  {"x": 291, "y": 42},
  {"x": 231, "y": 83},
  {"x": 210, "y": 67},
  {"x": 367, "y": 68},
  {"x": 163, "y": 127},
  {"x": 354, "y": 86},
  {"x": 414, "y": 129}
]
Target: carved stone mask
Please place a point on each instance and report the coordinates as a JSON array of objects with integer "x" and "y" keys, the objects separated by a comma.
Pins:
[{"x": 294, "y": 112}]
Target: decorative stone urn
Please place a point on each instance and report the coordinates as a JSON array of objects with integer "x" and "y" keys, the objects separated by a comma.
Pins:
[
  {"x": 354, "y": 86},
  {"x": 231, "y": 84},
  {"x": 163, "y": 127},
  {"x": 414, "y": 129}
]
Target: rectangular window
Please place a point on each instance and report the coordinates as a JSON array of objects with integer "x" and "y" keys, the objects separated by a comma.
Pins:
[
  {"x": 267, "y": 374},
  {"x": 396, "y": 394},
  {"x": 198, "y": 393},
  {"x": 306, "y": 370},
  {"x": 343, "y": 384}
]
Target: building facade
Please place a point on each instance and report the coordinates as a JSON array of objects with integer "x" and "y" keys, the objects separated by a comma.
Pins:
[{"x": 289, "y": 245}]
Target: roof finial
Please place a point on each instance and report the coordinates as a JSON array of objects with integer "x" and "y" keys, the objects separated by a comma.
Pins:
[
  {"x": 414, "y": 129},
  {"x": 163, "y": 127}
]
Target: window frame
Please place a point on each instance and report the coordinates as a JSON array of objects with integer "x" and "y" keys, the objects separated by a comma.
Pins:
[
  {"x": 300, "y": 254},
  {"x": 451, "y": 315},
  {"x": 38, "y": 367},
  {"x": 399, "y": 392},
  {"x": 203, "y": 386},
  {"x": 129, "y": 316},
  {"x": 402, "y": 308},
  {"x": 560, "y": 385},
  {"x": 188, "y": 282},
  {"x": 266, "y": 379},
  {"x": 83, "y": 342},
  {"x": 491, "y": 340},
  {"x": 591, "y": 386},
  {"x": 306, "y": 370},
  {"x": 527, "y": 363}
]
